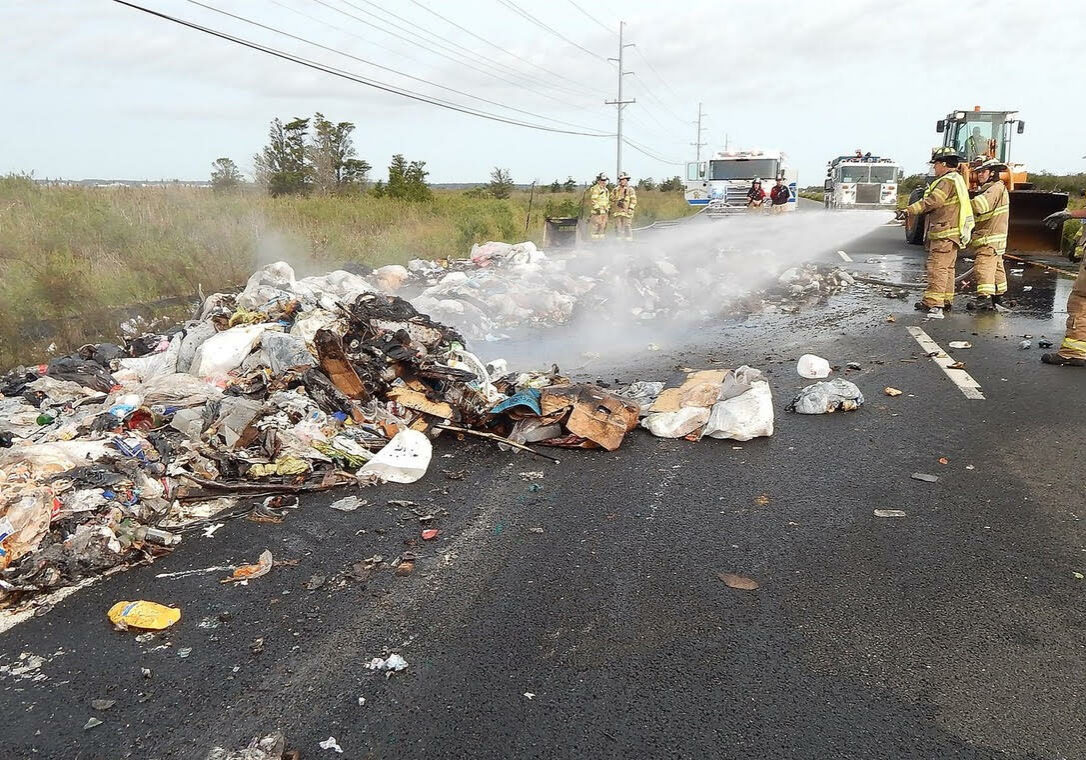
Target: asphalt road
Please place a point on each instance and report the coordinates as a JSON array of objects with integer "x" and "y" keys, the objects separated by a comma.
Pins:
[{"x": 954, "y": 632}]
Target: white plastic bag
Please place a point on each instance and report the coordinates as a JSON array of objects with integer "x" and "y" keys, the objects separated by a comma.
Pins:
[
  {"x": 144, "y": 368},
  {"x": 824, "y": 398},
  {"x": 748, "y": 415},
  {"x": 404, "y": 459},
  {"x": 226, "y": 351},
  {"x": 676, "y": 424},
  {"x": 812, "y": 367}
]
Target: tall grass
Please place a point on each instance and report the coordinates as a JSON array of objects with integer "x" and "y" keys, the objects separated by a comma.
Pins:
[{"x": 73, "y": 252}]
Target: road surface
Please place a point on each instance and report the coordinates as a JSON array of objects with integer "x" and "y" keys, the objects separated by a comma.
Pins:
[{"x": 586, "y": 618}]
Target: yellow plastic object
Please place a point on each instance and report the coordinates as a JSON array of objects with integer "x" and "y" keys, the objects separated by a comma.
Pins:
[{"x": 148, "y": 615}]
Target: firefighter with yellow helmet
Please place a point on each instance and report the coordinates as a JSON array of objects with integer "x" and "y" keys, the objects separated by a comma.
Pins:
[
  {"x": 623, "y": 203},
  {"x": 599, "y": 204},
  {"x": 949, "y": 229},
  {"x": 991, "y": 206}
]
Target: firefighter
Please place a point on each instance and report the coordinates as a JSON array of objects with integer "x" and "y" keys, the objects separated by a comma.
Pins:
[
  {"x": 949, "y": 227},
  {"x": 623, "y": 203},
  {"x": 990, "y": 209},
  {"x": 1072, "y": 351},
  {"x": 599, "y": 203}
]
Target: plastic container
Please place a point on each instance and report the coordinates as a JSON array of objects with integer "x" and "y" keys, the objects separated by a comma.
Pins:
[{"x": 812, "y": 367}]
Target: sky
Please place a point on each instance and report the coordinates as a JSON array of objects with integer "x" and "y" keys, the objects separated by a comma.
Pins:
[{"x": 97, "y": 89}]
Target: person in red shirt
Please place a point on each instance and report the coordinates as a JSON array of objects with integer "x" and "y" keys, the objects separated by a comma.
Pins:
[
  {"x": 779, "y": 195},
  {"x": 756, "y": 195}
]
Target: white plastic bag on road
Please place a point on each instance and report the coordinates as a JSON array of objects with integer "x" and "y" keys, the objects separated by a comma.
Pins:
[
  {"x": 676, "y": 424},
  {"x": 404, "y": 459},
  {"x": 748, "y": 415},
  {"x": 824, "y": 398},
  {"x": 812, "y": 367}
]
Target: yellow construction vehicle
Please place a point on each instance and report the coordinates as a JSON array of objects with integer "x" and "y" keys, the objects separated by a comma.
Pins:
[{"x": 987, "y": 134}]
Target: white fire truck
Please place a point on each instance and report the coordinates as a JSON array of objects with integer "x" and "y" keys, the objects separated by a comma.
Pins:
[
  {"x": 863, "y": 181},
  {"x": 722, "y": 182}
]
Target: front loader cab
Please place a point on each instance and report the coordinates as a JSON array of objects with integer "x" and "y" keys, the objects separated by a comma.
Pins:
[{"x": 980, "y": 134}]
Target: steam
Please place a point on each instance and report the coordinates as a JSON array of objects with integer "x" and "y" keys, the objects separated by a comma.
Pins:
[{"x": 657, "y": 290}]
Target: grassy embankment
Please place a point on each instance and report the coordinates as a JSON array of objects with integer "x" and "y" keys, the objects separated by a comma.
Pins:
[{"x": 70, "y": 255}]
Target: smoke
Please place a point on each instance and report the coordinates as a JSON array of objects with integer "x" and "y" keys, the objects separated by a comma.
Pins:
[{"x": 659, "y": 289}]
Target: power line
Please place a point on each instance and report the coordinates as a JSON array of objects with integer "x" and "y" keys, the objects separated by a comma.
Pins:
[
  {"x": 496, "y": 46},
  {"x": 416, "y": 43},
  {"x": 654, "y": 98},
  {"x": 354, "y": 77},
  {"x": 591, "y": 17},
  {"x": 658, "y": 75},
  {"x": 447, "y": 43},
  {"x": 523, "y": 13},
  {"x": 380, "y": 66},
  {"x": 646, "y": 151}
]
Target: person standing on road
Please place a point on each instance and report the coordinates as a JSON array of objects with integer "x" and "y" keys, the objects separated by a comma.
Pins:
[
  {"x": 779, "y": 195},
  {"x": 949, "y": 228},
  {"x": 1072, "y": 351},
  {"x": 623, "y": 203},
  {"x": 990, "y": 209},
  {"x": 756, "y": 195},
  {"x": 599, "y": 204}
]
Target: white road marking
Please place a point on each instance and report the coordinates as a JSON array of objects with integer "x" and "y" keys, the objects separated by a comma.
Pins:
[
  {"x": 844, "y": 256},
  {"x": 965, "y": 382}
]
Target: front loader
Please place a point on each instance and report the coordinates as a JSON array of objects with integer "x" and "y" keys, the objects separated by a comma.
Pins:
[{"x": 987, "y": 134}]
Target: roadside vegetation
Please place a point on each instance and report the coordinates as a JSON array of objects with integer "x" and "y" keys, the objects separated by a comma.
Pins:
[{"x": 75, "y": 252}]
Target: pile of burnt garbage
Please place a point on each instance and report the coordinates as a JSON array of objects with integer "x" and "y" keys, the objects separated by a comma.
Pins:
[{"x": 109, "y": 456}]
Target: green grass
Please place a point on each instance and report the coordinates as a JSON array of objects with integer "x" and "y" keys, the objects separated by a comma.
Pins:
[{"x": 73, "y": 253}]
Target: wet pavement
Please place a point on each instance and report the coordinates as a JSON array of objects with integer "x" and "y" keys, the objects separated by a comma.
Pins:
[{"x": 954, "y": 632}]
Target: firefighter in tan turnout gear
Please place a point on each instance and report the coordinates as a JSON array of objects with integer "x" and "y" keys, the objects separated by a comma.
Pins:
[
  {"x": 1072, "y": 351},
  {"x": 949, "y": 227},
  {"x": 990, "y": 209},
  {"x": 599, "y": 204},
  {"x": 623, "y": 203}
]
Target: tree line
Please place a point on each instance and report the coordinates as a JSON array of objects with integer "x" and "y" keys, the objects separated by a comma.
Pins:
[
  {"x": 305, "y": 156},
  {"x": 315, "y": 155}
]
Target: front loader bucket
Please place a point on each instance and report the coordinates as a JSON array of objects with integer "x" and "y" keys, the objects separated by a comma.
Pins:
[{"x": 1028, "y": 208}]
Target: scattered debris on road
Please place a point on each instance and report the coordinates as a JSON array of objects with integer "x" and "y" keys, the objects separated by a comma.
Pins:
[
  {"x": 923, "y": 476},
  {"x": 827, "y": 397},
  {"x": 891, "y": 391},
  {"x": 960, "y": 344},
  {"x": 269, "y": 747},
  {"x": 738, "y": 581},
  {"x": 150, "y": 616},
  {"x": 890, "y": 513},
  {"x": 812, "y": 367},
  {"x": 332, "y": 744},
  {"x": 394, "y": 663}
]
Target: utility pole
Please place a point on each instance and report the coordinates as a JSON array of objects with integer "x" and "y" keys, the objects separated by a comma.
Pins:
[
  {"x": 618, "y": 102},
  {"x": 698, "y": 144}
]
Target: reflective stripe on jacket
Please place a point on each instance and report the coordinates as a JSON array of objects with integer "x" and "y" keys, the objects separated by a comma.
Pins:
[
  {"x": 991, "y": 209},
  {"x": 950, "y": 215},
  {"x": 599, "y": 199}
]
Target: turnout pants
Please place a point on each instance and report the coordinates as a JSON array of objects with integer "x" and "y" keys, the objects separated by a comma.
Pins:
[
  {"x": 942, "y": 254},
  {"x": 623, "y": 227},
  {"x": 598, "y": 225},
  {"x": 1074, "y": 343},
  {"x": 991, "y": 276}
]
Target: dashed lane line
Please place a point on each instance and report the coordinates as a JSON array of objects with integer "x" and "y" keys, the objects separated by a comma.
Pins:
[{"x": 965, "y": 382}]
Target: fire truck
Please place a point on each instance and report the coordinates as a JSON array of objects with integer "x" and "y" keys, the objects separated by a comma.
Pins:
[
  {"x": 862, "y": 182},
  {"x": 722, "y": 182}
]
